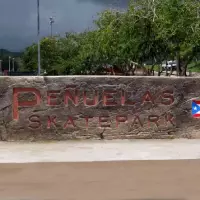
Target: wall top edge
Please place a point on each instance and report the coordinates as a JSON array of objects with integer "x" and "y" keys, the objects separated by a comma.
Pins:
[{"x": 90, "y": 76}]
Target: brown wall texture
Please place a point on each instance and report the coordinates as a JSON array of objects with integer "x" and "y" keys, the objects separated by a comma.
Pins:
[{"x": 97, "y": 107}]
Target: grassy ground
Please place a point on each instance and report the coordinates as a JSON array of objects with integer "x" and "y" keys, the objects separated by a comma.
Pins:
[
  {"x": 156, "y": 67},
  {"x": 193, "y": 67}
]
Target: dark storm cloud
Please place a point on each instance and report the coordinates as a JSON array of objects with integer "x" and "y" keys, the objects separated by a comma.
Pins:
[
  {"x": 114, "y": 3},
  {"x": 18, "y": 18}
]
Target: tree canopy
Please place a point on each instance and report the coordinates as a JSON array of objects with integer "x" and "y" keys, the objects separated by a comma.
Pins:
[{"x": 148, "y": 31}]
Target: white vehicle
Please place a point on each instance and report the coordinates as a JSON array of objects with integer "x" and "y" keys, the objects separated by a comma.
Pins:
[{"x": 171, "y": 64}]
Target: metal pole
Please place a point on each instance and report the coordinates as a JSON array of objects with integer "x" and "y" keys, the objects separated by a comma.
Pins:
[
  {"x": 9, "y": 64},
  {"x": 38, "y": 34},
  {"x": 51, "y": 24},
  {"x": 51, "y": 29},
  {"x": 1, "y": 72},
  {"x": 13, "y": 63}
]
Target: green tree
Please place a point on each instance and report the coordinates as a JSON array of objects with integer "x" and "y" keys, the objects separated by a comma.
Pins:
[
  {"x": 50, "y": 56},
  {"x": 69, "y": 48},
  {"x": 179, "y": 25},
  {"x": 110, "y": 40},
  {"x": 148, "y": 31},
  {"x": 131, "y": 36},
  {"x": 139, "y": 34},
  {"x": 29, "y": 58}
]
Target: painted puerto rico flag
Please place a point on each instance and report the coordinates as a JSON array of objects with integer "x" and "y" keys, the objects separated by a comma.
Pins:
[{"x": 196, "y": 108}]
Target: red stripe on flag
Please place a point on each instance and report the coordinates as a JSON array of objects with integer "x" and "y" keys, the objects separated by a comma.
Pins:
[
  {"x": 197, "y": 101},
  {"x": 196, "y": 115}
]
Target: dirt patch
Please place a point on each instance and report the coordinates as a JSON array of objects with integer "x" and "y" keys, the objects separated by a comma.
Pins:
[{"x": 132, "y": 180}]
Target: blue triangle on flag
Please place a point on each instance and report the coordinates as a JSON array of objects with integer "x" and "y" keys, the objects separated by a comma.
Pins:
[{"x": 195, "y": 108}]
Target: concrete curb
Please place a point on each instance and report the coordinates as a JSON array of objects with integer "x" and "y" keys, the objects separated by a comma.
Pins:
[{"x": 91, "y": 151}]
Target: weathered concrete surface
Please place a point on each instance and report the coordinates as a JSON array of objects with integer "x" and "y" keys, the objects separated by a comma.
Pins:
[
  {"x": 124, "y": 107},
  {"x": 99, "y": 151}
]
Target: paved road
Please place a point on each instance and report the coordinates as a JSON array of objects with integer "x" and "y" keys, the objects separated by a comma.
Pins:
[{"x": 99, "y": 151}]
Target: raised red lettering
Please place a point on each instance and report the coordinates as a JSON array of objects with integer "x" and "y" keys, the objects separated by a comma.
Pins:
[
  {"x": 147, "y": 98},
  {"x": 104, "y": 122},
  {"x": 51, "y": 120},
  {"x": 137, "y": 121},
  {"x": 121, "y": 119},
  {"x": 123, "y": 99},
  {"x": 52, "y": 97},
  {"x": 89, "y": 102},
  {"x": 167, "y": 98},
  {"x": 126, "y": 100},
  {"x": 170, "y": 118},
  {"x": 154, "y": 119},
  {"x": 17, "y": 104},
  {"x": 74, "y": 98},
  {"x": 87, "y": 120},
  {"x": 35, "y": 122},
  {"x": 69, "y": 122},
  {"x": 108, "y": 99}
]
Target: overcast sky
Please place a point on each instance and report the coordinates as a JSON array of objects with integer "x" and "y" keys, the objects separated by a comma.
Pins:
[{"x": 18, "y": 24}]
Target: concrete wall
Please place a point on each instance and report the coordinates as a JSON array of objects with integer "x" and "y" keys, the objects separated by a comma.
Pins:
[{"x": 86, "y": 107}]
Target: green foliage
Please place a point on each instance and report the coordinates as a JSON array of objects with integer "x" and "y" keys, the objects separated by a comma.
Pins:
[
  {"x": 148, "y": 31},
  {"x": 178, "y": 24},
  {"x": 194, "y": 66},
  {"x": 50, "y": 56}
]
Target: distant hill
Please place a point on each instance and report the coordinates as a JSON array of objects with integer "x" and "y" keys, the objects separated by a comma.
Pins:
[{"x": 5, "y": 53}]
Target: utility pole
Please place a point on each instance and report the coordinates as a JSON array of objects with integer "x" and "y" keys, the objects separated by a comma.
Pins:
[
  {"x": 51, "y": 24},
  {"x": 13, "y": 64},
  {"x": 9, "y": 64},
  {"x": 1, "y": 72},
  {"x": 38, "y": 35}
]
